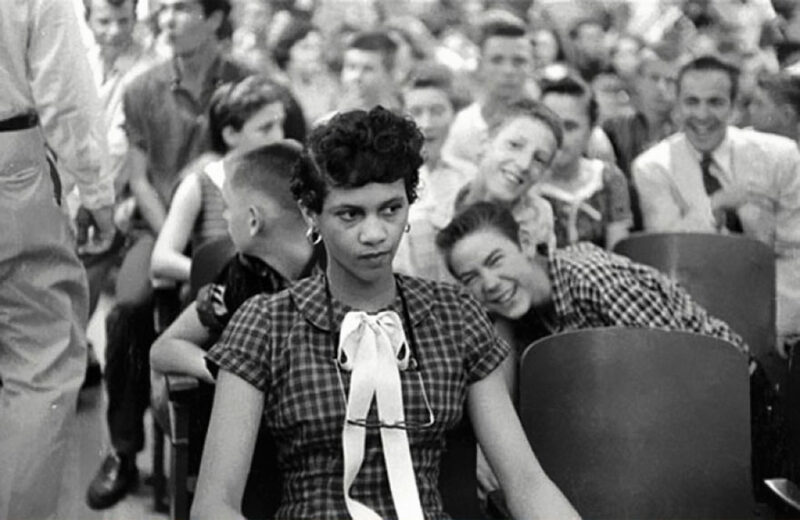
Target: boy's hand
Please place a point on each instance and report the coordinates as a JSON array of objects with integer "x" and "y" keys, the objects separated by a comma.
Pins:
[{"x": 96, "y": 233}]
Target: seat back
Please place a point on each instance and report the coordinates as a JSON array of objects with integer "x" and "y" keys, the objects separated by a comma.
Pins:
[
  {"x": 458, "y": 483},
  {"x": 792, "y": 410},
  {"x": 208, "y": 261},
  {"x": 263, "y": 489},
  {"x": 640, "y": 423},
  {"x": 731, "y": 276}
]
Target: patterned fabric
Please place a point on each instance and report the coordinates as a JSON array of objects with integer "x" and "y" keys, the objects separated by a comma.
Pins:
[
  {"x": 584, "y": 214},
  {"x": 595, "y": 288},
  {"x": 284, "y": 345},
  {"x": 210, "y": 221},
  {"x": 243, "y": 277}
]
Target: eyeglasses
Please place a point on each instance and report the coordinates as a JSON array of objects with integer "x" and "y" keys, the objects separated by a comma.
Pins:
[
  {"x": 412, "y": 367},
  {"x": 397, "y": 425}
]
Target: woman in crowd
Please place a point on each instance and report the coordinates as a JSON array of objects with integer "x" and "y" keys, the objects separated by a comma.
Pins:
[
  {"x": 310, "y": 359},
  {"x": 589, "y": 197},
  {"x": 299, "y": 51},
  {"x": 547, "y": 49},
  {"x": 242, "y": 116}
]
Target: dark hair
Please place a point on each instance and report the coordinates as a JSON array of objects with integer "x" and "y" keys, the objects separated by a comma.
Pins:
[
  {"x": 211, "y": 6},
  {"x": 295, "y": 30},
  {"x": 574, "y": 87},
  {"x": 782, "y": 88},
  {"x": 527, "y": 107},
  {"x": 232, "y": 104},
  {"x": 375, "y": 41},
  {"x": 354, "y": 149},
  {"x": 662, "y": 52},
  {"x": 473, "y": 218},
  {"x": 87, "y": 6},
  {"x": 267, "y": 171},
  {"x": 431, "y": 74},
  {"x": 502, "y": 28},
  {"x": 712, "y": 63},
  {"x": 589, "y": 20}
]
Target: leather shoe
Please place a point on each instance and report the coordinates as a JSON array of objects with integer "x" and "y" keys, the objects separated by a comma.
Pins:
[{"x": 116, "y": 476}]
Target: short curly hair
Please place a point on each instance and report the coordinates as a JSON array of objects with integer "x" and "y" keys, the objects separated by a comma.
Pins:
[{"x": 354, "y": 149}]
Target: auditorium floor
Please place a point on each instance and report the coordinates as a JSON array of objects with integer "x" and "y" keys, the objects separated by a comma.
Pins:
[{"x": 92, "y": 443}]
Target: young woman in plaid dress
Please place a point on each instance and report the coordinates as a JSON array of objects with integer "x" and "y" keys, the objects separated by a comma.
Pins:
[{"x": 289, "y": 359}]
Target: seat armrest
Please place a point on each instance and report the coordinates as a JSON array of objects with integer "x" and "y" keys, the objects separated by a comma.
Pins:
[
  {"x": 179, "y": 386},
  {"x": 786, "y": 490}
]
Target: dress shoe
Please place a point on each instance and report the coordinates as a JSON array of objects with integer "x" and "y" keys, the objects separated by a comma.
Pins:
[{"x": 113, "y": 480}]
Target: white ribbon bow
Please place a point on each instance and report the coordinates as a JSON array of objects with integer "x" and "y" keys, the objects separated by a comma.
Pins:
[{"x": 374, "y": 349}]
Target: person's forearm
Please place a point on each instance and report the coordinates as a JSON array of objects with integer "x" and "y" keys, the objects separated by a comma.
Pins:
[
  {"x": 149, "y": 205},
  {"x": 538, "y": 497},
  {"x": 201, "y": 511},
  {"x": 170, "y": 264},
  {"x": 176, "y": 356}
]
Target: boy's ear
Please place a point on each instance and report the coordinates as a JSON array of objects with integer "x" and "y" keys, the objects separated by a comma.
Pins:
[
  {"x": 231, "y": 136},
  {"x": 215, "y": 19},
  {"x": 255, "y": 220}
]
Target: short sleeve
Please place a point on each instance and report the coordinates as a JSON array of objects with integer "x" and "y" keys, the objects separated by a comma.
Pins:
[
  {"x": 134, "y": 113},
  {"x": 243, "y": 348},
  {"x": 484, "y": 349}
]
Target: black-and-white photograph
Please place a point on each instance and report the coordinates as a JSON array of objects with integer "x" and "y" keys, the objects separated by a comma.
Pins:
[{"x": 399, "y": 259}]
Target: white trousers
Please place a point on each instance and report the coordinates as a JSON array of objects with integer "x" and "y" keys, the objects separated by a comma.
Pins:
[{"x": 43, "y": 313}]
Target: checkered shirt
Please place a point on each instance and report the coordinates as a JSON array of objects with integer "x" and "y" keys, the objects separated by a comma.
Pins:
[
  {"x": 595, "y": 288},
  {"x": 284, "y": 345}
]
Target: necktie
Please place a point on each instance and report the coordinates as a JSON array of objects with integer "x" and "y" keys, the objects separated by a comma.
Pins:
[
  {"x": 712, "y": 185},
  {"x": 710, "y": 182}
]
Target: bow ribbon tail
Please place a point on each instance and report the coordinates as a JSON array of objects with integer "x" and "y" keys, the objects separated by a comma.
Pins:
[
  {"x": 374, "y": 350},
  {"x": 396, "y": 451},
  {"x": 362, "y": 357}
]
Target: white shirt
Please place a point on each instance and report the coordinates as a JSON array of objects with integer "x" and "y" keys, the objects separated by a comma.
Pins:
[
  {"x": 672, "y": 197},
  {"x": 111, "y": 81},
  {"x": 43, "y": 68}
]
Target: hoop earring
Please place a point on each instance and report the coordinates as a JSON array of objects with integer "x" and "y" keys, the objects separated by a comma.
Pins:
[
  {"x": 407, "y": 228},
  {"x": 313, "y": 236}
]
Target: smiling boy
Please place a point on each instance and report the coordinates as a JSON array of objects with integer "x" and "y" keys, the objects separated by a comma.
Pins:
[
  {"x": 523, "y": 141},
  {"x": 571, "y": 288}
]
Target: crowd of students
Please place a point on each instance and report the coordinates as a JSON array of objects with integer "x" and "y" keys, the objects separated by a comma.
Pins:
[{"x": 415, "y": 191}]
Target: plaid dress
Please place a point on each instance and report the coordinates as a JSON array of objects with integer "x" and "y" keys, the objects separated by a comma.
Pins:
[{"x": 284, "y": 345}]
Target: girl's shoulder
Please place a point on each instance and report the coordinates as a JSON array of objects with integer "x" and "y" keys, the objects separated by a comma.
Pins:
[{"x": 436, "y": 298}]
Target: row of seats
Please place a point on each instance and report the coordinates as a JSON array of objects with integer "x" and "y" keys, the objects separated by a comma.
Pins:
[{"x": 628, "y": 422}]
